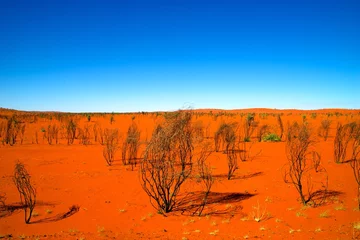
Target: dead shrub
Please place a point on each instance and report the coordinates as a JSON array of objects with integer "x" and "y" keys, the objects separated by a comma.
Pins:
[
  {"x": 71, "y": 127},
  {"x": 13, "y": 128},
  {"x": 167, "y": 161},
  {"x": 84, "y": 135},
  {"x": 344, "y": 134},
  {"x": 95, "y": 131},
  {"x": 355, "y": 164},
  {"x": 22, "y": 132},
  {"x": 262, "y": 131},
  {"x": 281, "y": 125},
  {"x": 101, "y": 135},
  {"x": 249, "y": 126},
  {"x": 26, "y": 190},
  {"x": 131, "y": 145},
  {"x": 204, "y": 176},
  {"x": 198, "y": 131},
  {"x": 299, "y": 169},
  {"x": 225, "y": 136},
  {"x": 324, "y": 129},
  {"x": 111, "y": 140}
]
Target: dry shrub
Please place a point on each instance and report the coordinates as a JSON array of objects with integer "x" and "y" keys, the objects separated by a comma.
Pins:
[
  {"x": 324, "y": 128},
  {"x": 22, "y": 132},
  {"x": 262, "y": 131},
  {"x": 13, "y": 127},
  {"x": 344, "y": 134},
  {"x": 281, "y": 125},
  {"x": 198, "y": 131},
  {"x": 71, "y": 127},
  {"x": 232, "y": 162},
  {"x": 225, "y": 136},
  {"x": 355, "y": 161},
  {"x": 95, "y": 131},
  {"x": 249, "y": 126},
  {"x": 101, "y": 135},
  {"x": 2, "y": 129},
  {"x": 36, "y": 137},
  {"x": 111, "y": 140},
  {"x": 26, "y": 190},
  {"x": 52, "y": 134},
  {"x": 299, "y": 168},
  {"x": 316, "y": 158},
  {"x": 84, "y": 135},
  {"x": 167, "y": 161},
  {"x": 131, "y": 145},
  {"x": 355, "y": 164},
  {"x": 204, "y": 175}
]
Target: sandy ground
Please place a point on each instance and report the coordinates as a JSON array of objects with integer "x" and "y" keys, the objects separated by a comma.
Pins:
[{"x": 80, "y": 197}]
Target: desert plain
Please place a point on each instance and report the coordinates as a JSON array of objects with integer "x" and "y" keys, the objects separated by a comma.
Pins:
[{"x": 80, "y": 196}]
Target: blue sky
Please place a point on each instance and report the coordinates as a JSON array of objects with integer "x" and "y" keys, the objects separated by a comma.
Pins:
[{"x": 105, "y": 56}]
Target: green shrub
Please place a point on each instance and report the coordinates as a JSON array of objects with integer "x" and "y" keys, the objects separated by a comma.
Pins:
[{"x": 271, "y": 137}]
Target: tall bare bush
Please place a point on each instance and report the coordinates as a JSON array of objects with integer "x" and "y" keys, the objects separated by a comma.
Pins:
[
  {"x": 26, "y": 190},
  {"x": 324, "y": 129},
  {"x": 131, "y": 145},
  {"x": 111, "y": 140},
  {"x": 167, "y": 161}
]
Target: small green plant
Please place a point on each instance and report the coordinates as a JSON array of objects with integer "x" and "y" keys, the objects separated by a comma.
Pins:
[{"x": 271, "y": 137}]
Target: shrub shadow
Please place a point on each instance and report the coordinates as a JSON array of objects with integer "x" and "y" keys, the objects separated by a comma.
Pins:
[
  {"x": 8, "y": 209},
  {"x": 72, "y": 210},
  {"x": 188, "y": 204}
]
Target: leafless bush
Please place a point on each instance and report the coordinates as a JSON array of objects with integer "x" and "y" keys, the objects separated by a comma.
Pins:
[
  {"x": 198, "y": 131},
  {"x": 298, "y": 168},
  {"x": 111, "y": 139},
  {"x": 13, "y": 127},
  {"x": 95, "y": 131},
  {"x": 36, "y": 137},
  {"x": 355, "y": 164},
  {"x": 205, "y": 176},
  {"x": 281, "y": 126},
  {"x": 324, "y": 129},
  {"x": 167, "y": 161},
  {"x": 225, "y": 136},
  {"x": 84, "y": 135},
  {"x": 101, "y": 135},
  {"x": 131, "y": 145},
  {"x": 344, "y": 134},
  {"x": 264, "y": 129},
  {"x": 232, "y": 162},
  {"x": 26, "y": 190},
  {"x": 2, "y": 129},
  {"x": 71, "y": 131},
  {"x": 316, "y": 158},
  {"x": 22, "y": 132},
  {"x": 249, "y": 126}
]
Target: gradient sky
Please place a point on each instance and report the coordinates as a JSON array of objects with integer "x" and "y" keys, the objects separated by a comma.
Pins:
[{"x": 104, "y": 56}]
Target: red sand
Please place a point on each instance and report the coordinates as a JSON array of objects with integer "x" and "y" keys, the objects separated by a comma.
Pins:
[{"x": 113, "y": 204}]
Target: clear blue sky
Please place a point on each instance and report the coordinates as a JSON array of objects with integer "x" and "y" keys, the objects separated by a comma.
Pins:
[{"x": 82, "y": 56}]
